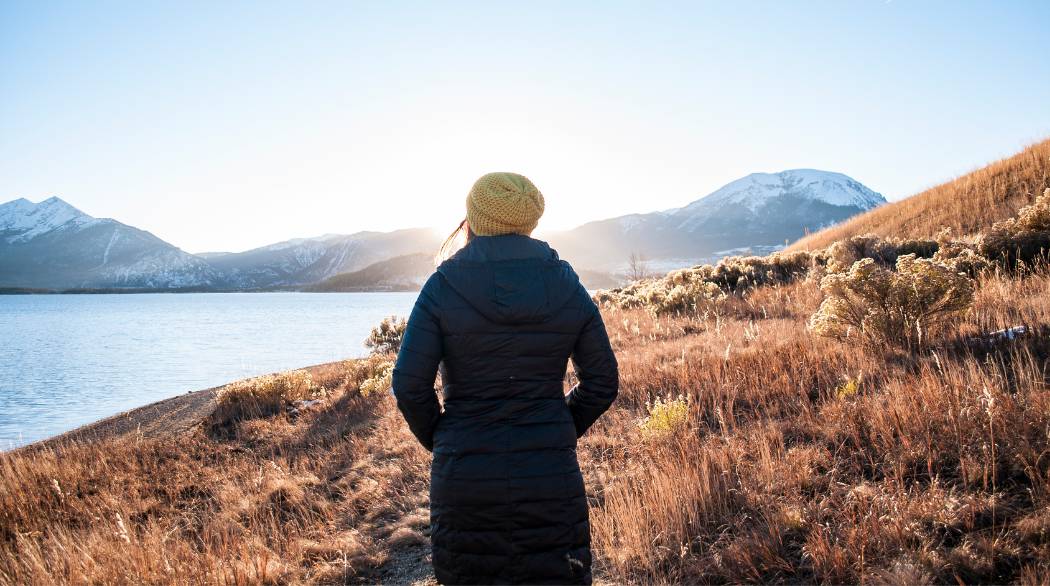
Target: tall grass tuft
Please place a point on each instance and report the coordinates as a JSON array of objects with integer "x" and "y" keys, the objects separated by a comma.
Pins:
[{"x": 263, "y": 396}]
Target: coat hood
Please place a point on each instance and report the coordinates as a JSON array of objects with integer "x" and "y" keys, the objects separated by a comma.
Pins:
[{"x": 511, "y": 278}]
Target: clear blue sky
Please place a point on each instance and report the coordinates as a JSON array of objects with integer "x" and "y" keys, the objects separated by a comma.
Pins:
[{"x": 227, "y": 125}]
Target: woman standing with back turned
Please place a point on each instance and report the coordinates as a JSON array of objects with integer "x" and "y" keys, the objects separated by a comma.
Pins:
[{"x": 502, "y": 317}]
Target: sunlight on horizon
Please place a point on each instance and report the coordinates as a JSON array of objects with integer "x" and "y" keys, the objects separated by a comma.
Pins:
[{"x": 228, "y": 127}]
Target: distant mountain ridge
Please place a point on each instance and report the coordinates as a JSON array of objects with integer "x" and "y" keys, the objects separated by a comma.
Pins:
[
  {"x": 53, "y": 245},
  {"x": 759, "y": 210}
]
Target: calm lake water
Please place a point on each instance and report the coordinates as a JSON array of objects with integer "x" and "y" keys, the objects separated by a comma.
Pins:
[{"x": 67, "y": 360}]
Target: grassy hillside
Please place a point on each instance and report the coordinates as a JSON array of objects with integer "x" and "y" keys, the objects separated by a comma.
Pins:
[
  {"x": 754, "y": 440},
  {"x": 966, "y": 204}
]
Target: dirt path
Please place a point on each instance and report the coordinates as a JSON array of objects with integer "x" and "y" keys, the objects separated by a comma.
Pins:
[{"x": 163, "y": 418}]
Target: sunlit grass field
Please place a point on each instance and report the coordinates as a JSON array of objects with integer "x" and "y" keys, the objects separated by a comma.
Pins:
[{"x": 796, "y": 418}]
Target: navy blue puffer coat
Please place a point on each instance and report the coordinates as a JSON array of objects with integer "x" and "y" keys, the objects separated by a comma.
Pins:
[{"x": 501, "y": 319}]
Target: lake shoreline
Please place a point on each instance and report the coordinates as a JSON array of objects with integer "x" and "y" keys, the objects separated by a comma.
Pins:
[
  {"x": 76, "y": 359},
  {"x": 164, "y": 418},
  {"x": 307, "y": 289}
]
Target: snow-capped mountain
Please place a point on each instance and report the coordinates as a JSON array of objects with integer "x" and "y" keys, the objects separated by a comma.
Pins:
[
  {"x": 758, "y": 190},
  {"x": 21, "y": 220},
  {"x": 760, "y": 210},
  {"x": 52, "y": 244}
]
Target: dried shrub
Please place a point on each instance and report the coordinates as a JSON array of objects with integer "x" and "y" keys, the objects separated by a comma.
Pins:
[
  {"x": 381, "y": 380},
  {"x": 665, "y": 416},
  {"x": 738, "y": 273},
  {"x": 692, "y": 297},
  {"x": 681, "y": 292},
  {"x": 1022, "y": 240},
  {"x": 365, "y": 374},
  {"x": 905, "y": 308},
  {"x": 386, "y": 337},
  {"x": 842, "y": 254},
  {"x": 959, "y": 256},
  {"x": 920, "y": 247},
  {"x": 848, "y": 388},
  {"x": 702, "y": 288}
]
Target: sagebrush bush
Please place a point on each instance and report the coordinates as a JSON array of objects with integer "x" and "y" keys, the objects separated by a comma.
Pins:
[
  {"x": 263, "y": 396},
  {"x": 1021, "y": 240},
  {"x": 842, "y": 254},
  {"x": 1036, "y": 217},
  {"x": 380, "y": 381},
  {"x": 665, "y": 416},
  {"x": 961, "y": 257},
  {"x": 692, "y": 297},
  {"x": 701, "y": 288},
  {"x": 904, "y": 308},
  {"x": 848, "y": 388},
  {"x": 738, "y": 273},
  {"x": 360, "y": 372},
  {"x": 386, "y": 337}
]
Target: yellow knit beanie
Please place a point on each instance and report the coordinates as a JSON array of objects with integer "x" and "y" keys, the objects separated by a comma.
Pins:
[{"x": 503, "y": 203}]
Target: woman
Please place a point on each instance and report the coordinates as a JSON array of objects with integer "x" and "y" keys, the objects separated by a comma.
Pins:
[{"x": 502, "y": 317}]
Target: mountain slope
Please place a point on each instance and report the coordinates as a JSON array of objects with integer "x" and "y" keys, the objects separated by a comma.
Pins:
[
  {"x": 402, "y": 273},
  {"x": 52, "y": 244},
  {"x": 310, "y": 260},
  {"x": 761, "y": 209},
  {"x": 966, "y": 204}
]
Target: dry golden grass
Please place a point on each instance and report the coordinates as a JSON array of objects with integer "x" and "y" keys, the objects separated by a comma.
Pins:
[
  {"x": 742, "y": 448},
  {"x": 264, "y": 395},
  {"x": 966, "y": 205},
  {"x": 310, "y": 498},
  {"x": 926, "y": 468},
  {"x": 800, "y": 459}
]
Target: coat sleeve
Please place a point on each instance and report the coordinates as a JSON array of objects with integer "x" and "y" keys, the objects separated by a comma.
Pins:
[
  {"x": 597, "y": 370},
  {"x": 417, "y": 365}
]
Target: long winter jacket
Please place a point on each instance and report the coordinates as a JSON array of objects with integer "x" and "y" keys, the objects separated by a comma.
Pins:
[{"x": 502, "y": 317}]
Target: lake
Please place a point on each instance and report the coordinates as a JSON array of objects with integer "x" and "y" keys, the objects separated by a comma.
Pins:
[{"x": 67, "y": 360}]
